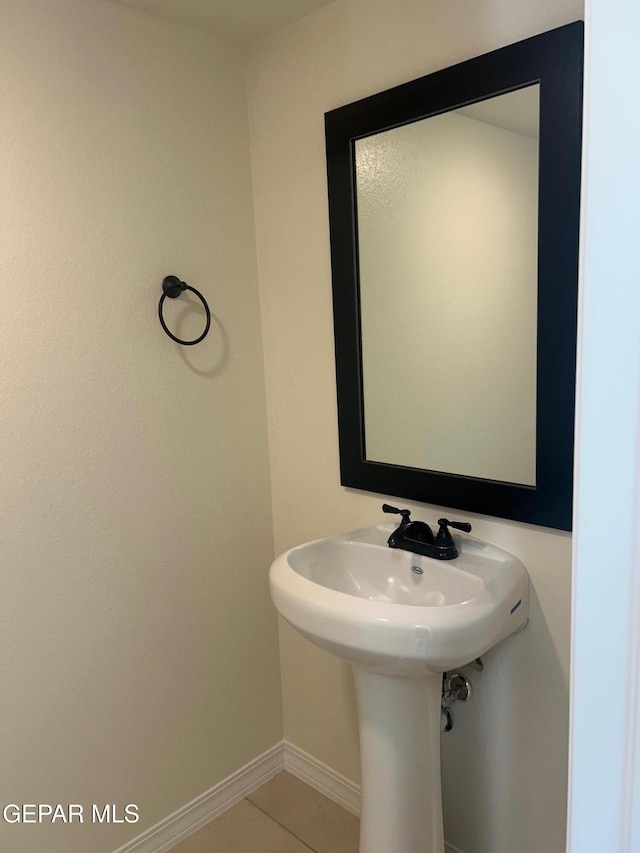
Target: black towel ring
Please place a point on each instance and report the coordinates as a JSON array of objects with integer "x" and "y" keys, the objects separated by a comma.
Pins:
[{"x": 173, "y": 287}]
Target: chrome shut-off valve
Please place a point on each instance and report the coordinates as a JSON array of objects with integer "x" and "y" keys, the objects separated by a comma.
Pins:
[{"x": 456, "y": 687}]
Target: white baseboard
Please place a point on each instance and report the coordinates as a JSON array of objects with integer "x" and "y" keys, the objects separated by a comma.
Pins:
[
  {"x": 188, "y": 819},
  {"x": 321, "y": 777},
  {"x": 162, "y": 837}
]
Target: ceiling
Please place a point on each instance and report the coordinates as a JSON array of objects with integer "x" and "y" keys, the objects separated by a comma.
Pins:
[{"x": 243, "y": 21}]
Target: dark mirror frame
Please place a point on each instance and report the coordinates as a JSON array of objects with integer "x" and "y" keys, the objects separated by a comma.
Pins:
[{"x": 555, "y": 61}]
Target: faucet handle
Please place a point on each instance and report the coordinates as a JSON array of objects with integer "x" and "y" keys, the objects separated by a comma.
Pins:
[
  {"x": 443, "y": 538},
  {"x": 459, "y": 525},
  {"x": 405, "y": 513}
]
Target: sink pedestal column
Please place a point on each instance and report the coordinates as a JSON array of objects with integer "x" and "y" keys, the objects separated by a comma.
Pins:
[{"x": 400, "y": 752}]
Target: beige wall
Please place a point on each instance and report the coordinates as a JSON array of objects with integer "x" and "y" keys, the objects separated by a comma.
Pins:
[
  {"x": 139, "y": 657},
  {"x": 505, "y": 763}
]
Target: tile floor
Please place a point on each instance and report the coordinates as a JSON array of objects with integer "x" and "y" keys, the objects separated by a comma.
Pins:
[{"x": 283, "y": 816}]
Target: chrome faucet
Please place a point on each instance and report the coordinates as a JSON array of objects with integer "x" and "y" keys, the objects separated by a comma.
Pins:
[{"x": 417, "y": 536}]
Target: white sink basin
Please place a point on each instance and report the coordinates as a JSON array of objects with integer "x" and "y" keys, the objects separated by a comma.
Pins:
[
  {"x": 400, "y": 619},
  {"x": 369, "y": 603}
]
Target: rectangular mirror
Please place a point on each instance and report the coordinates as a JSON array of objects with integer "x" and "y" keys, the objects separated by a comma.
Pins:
[
  {"x": 447, "y": 225},
  {"x": 454, "y": 207}
]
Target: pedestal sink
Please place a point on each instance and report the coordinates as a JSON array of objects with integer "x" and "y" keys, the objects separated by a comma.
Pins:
[{"x": 400, "y": 619}]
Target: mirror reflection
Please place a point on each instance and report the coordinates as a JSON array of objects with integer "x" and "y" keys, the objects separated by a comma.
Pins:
[{"x": 447, "y": 219}]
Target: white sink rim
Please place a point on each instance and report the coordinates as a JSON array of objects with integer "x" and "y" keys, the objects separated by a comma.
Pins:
[{"x": 405, "y": 637}]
